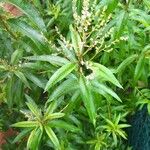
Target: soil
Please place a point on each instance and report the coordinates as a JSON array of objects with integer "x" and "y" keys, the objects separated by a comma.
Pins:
[{"x": 4, "y": 135}]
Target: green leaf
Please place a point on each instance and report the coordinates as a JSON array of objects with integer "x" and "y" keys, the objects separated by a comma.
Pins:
[
  {"x": 147, "y": 2},
  {"x": 60, "y": 74},
  {"x": 87, "y": 98},
  {"x": 55, "y": 60},
  {"x": 52, "y": 137},
  {"x": 126, "y": 62},
  {"x": 68, "y": 52},
  {"x": 74, "y": 101},
  {"x": 25, "y": 124},
  {"x": 108, "y": 121},
  {"x": 33, "y": 107},
  {"x": 102, "y": 87},
  {"x": 148, "y": 108},
  {"x": 64, "y": 88},
  {"x": 21, "y": 76},
  {"x": 76, "y": 40},
  {"x": 54, "y": 116},
  {"x": 52, "y": 106},
  {"x": 79, "y": 6},
  {"x": 21, "y": 135},
  {"x": 141, "y": 16},
  {"x": 101, "y": 92},
  {"x": 117, "y": 119},
  {"x": 124, "y": 125},
  {"x": 17, "y": 54},
  {"x": 36, "y": 66},
  {"x": 34, "y": 139},
  {"x": 105, "y": 73},
  {"x": 139, "y": 67},
  {"x": 122, "y": 134},
  {"x": 28, "y": 31},
  {"x": 9, "y": 92},
  {"x": 115, "y": 138},
  {"x": 121, "y": 22},
  {"x": 111, "y": 5},
  {"x": 64, "y": 125},
  {"x": 31, "y": 12},
  {"x": 98, "y": 146},
  {"x": 37, "y": 81},
  {"x": 38, "y": 38}
]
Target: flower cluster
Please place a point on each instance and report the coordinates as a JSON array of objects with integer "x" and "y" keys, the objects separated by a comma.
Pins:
[
  {"x": 92, "y": 26},
  {"x": 4, "y": 65}
]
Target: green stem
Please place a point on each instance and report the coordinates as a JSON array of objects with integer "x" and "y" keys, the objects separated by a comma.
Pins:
[
  {"x": 5, "y": 25},
  {"x": 109, "y": 110}
]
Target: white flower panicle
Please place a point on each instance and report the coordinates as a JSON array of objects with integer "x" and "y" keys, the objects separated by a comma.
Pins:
[{"x": 92, "y": 26}]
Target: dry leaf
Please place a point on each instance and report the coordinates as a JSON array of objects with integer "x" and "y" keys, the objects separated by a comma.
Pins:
[{"x": 13, "y": 10}]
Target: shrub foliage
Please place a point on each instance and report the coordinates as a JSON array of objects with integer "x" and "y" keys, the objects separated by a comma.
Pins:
[{"x": 71, "y": 71}]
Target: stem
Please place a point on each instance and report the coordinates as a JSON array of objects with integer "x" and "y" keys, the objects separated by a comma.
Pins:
[
  {"x": 96, "y": 54},
  {"x": 7, "y": 27},
  {"x": 109, "y": 110}
]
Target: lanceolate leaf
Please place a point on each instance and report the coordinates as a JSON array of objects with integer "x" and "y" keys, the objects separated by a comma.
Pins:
[
  {"x": 34, "y": 139},
  {"x": 65, "y": 87},
  {"x": 101, "y": 92},
  {"x": 37, "y": 81},
  {"x": 148, "y": 108},
  {"x": 21, "y": 76},
  {"x": 31, "y": 12},
  {"x": 126, "y": 62},
  {"x": 56, "y": 60},
  {"x": 87, "y": 98},
  {"x": 120, "y": 22},
  {"x": 139, "y": 67},
  {"x": 9, "y": 91},
  {"x": 52, "y": 106},
  {"x": 52, "y": 137},
  {"x": 22, "y": 134},
  {"x": 54, "y": 116},
  {"x": 68, "y": 53},
  {"x": 33, "y": 107},
  {"x": 60, "y": 74},
  {"x": 147, "y": 2},
  {"x": 111, "y": 5},
  {"x": 79, "y": 59},
  {"x": 17, "y": 54},
  {"x": 104, "y": 72},
  {"x": 25, "y": 124},
  {"x": 100, "y": 86},
  {"x": 34, "y": 35},
  {"x": 76, "y": 40},
  {"x": 28, "y": 31},
  {"x": 73, "y": 103},
  {"x": 36, "y": 66},
  {"x": 64, "y": 125}
]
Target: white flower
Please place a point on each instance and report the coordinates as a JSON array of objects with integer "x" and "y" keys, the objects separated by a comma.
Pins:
[{"x": 124, "y": 38}]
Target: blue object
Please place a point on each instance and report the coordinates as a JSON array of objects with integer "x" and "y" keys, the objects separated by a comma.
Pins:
[{"x": 139, "y": 133}]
